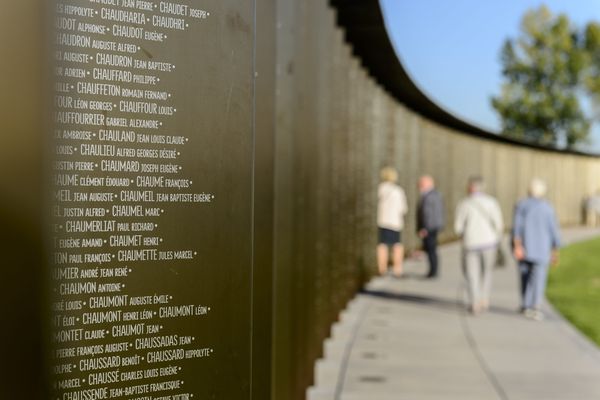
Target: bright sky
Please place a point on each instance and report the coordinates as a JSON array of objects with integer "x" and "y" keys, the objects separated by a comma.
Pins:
[{"x": 451, "y": 48}]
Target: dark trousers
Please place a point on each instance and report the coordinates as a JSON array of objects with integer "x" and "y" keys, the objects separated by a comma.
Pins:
[{"x": 430, "y": 247}]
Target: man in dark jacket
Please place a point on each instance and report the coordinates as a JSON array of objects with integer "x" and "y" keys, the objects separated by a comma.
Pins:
[{"x": 430, "y": 220}]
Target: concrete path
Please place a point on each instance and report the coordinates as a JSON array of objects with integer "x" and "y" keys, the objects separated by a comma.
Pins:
[{"x": 411, "y": 339}]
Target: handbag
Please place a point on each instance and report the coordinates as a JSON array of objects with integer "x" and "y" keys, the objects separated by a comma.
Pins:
[{"x": 501, "y": 257}]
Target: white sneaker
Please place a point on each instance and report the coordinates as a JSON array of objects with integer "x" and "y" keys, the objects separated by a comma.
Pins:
[
  {"x": 538, "y": 315},
  {"x": 534, "y": 314}
]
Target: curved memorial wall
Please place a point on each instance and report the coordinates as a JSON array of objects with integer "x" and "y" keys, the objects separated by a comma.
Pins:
[
  {"x": 211, "y": 170},
  {"x": 346, "y": 108}
]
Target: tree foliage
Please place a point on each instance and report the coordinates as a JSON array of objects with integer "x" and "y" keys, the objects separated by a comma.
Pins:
[{"x": 548, "y": 70}]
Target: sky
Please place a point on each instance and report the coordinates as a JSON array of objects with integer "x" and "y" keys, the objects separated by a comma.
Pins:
[{"x": 451, "y": 49}]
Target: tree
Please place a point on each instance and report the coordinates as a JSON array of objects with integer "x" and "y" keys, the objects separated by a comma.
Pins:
[
  {"x": 547, "y": 70},
  {"x": 592, "y": 75}
]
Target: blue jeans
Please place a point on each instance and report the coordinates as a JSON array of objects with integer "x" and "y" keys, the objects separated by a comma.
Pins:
[{"x": 533, "y": 283}]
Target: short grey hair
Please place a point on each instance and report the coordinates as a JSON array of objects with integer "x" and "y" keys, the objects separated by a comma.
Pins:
[
  {"x": 476, "y": 182},
  {"x": 537, "y": 188}
]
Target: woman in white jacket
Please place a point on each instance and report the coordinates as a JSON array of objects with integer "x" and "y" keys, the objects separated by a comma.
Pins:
[
  {"x": 391, "y": 209},
  {"x": 478, "y": 222}
]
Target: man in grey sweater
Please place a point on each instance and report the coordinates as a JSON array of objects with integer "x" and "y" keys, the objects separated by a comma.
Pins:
[
  {"x": 430, "y": 220},
  {"x": 478, "y": 221}
]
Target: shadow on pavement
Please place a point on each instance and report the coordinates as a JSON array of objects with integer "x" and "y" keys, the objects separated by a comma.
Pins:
[{"x": 434, "y": 302}]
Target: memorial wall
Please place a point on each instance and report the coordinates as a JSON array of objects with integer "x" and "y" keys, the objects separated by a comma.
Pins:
[
  {"x": 212, "y": 168},
  {"x": 345, "y": 108},
  {"x": 152, "y": 217}
]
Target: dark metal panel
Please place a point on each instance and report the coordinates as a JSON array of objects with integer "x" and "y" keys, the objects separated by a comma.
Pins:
[
  {"x": 196, "y": 254},
  {"x": 283, "y": 360},
  {"x": 320, "y": 321},
  {"x": 21, "y": 200},
  {"x": 264, "y": 150},
  {"x": 300, "y": 266}
]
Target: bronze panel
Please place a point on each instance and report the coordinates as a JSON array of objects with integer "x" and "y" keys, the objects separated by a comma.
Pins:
[{"x": 153, "y": 252}]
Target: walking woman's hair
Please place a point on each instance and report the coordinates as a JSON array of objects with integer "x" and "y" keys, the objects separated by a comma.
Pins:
[{"x": 389, "y": 174}]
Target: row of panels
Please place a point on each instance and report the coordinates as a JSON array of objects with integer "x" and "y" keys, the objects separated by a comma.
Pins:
[
  {"x": 335, "y": 128},
  {"x": 322, "y": 130}
]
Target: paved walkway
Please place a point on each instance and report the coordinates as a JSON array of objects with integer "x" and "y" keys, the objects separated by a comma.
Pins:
[{"x": 410, "y": 339}]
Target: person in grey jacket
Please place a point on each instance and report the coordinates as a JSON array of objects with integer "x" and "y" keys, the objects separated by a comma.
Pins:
[
  {"x": 536, "y": 239},
  {"x": 478, "y": 222},
  {"x": 430, "y": 220}
]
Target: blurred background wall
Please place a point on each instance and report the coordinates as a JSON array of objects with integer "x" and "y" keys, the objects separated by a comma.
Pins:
[{"x": 336, "y": 125}]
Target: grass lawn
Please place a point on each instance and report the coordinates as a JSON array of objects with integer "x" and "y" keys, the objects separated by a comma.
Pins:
[{"x": 574, "y": 286}]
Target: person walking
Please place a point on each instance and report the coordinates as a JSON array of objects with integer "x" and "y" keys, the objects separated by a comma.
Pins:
[
  {"x": 536, "y": 240},
  {"x": 391, "y": 208},
  {"x": 478, "y": 221},
  {"x": 592, "y": 210},
  {"x": 430, "y": 220}
]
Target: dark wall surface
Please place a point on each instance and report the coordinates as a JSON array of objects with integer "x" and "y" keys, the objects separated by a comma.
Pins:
[
  {"x": 154, "y": 211},
  {"x": 21, "y": 235}
]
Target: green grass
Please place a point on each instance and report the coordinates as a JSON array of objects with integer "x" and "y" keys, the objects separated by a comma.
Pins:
[{"x": 574, "y": 286}]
